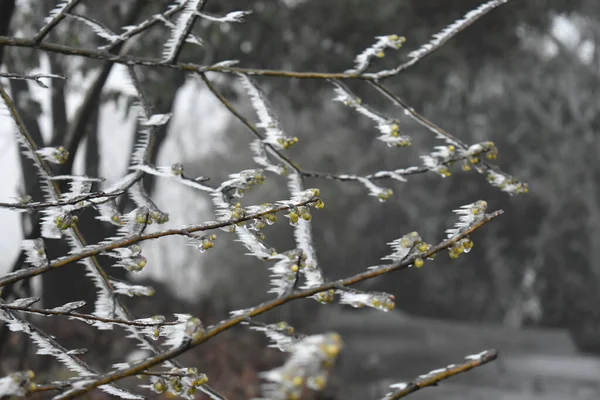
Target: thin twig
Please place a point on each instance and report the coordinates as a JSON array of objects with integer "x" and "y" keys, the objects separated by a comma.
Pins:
[
  {"x": 34, "y": 206},
  {"x": 88, "y": 317},
  {"x": 434, "y": 377}
]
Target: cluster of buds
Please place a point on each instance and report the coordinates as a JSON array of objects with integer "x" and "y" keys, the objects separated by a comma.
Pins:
[
  {"x": 65, "y": 221},
  {"x": 286, "y": 143},
  {"x": 420, "y": 249},
  {"x": 159, "y": 217},
  {"x": 308, "y": 367},
  {"x": 473, "y": 154},
  {"x": 242, "y": 181},
  {"x": 179, "y": 382},
  {"x": 395, "y": 41},
  {"x": 299, "y": 212},
  {"x": 462, "y": 246},
  {"x": 391, "y": 135},
  {"x": 18, "y": 384},
  {"x": 325, "y": 297},
  {"x": 441, "y": 159},
  {"x": 357, "y": 299},
  {"x": 204, "y": 242},
  {"x": 507, "y": 184},
  {"x": 468, "y": 215},
  {"x": 410, "y": 244},
  {"x": 377, "y": 50},
  {"x": 403, "y": 247},
  {"x": 194, "y": 329},
  {"x": 177, "y": 169},
  {"x": 55, "y": 155},
  {"x": 131, "y": 258}
]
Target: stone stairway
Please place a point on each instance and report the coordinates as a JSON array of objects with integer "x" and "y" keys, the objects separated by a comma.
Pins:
[{"x": 385, "y": 348}]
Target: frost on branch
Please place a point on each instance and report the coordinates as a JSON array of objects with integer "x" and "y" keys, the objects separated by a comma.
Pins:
[
  {"x": 99, "y": 29},
  {"x": 377, "y": 50},
  {"x": 358, "y": 299},
  {"x": 403, "y": 247},
  {"x": 47, "y": 346},
  {"x": 302, "y": 233},
  {"x": 181, "y": 28},
  {"x": 23, "y": 302},
  {"x": 506, "y": 183},
  {"x": 130, "y": 258},
  {"x": 389, "y": 128},
  {"x": 285, "y": 272},
  {"x": 439, "y": 159},
  {"x": 58, "y": 12},
  {"x": 234, "y": 16},
  {"x": 402, "y": 389},
  {"x": 380, "y": 193},
  {"x": 183, "y": 382},
  {"x": 55, "y": 155},
  {"x": 275, "y": 135},
  {"x": 109, "y": 212},
  {"x": 442, "y": 37},
  {"x": 35, "y": 251},
  {"x": 469, "y": 215},
  {"x": 185, "y": 329},
  {"x": 261, "y": 158},
  {"x": 281, "y": 334},
  {"x": 176, "y": 173},
  {"x": 131, "y": 290},
  {"x": 308, "y": 366}
]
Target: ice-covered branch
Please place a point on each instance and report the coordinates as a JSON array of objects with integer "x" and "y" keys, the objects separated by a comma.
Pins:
[
  {"x": 92, "y": 250},
  {"x": 95, "y": 198},
  {"x": 440, "y": 38},
  {"x": 181, "y": 29},
  {"x": 432, "y": 378},
  {"x": 66, "y": 310},
  {"x": 48, "y": 346},
  {"x": 55, "y": 17},
  {"x": 505, "y": 182}
]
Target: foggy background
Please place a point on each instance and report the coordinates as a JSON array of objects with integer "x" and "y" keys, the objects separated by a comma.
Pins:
[{"x": 525, "y": 76}]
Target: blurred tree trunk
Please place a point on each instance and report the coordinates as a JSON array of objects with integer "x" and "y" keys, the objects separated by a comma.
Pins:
[{"x": 7, "y": 7}]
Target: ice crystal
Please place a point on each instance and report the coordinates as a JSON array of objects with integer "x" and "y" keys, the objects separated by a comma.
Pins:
[
  {"x": 377, "y": 50},
  {"x": 388, "y": 127},
  {"x": 275, "y": 135},
  {"x": 35, "y": 252},
  {"x": 442, "y": 37},
  {"x": 99, "y": 29},
  {"x": 357, "y": 299},
  {"x": 235, "y": 16},
  {"x": 55, "y": 155},
  {"x": 469, "y": 215}
]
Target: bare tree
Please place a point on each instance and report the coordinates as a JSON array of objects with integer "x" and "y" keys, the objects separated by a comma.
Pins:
[{"x": 67, "y": 205}]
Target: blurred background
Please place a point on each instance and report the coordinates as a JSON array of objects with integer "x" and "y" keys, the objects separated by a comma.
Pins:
[{"x": 525, "y": 76}]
